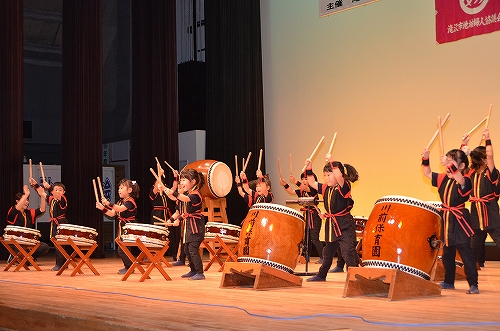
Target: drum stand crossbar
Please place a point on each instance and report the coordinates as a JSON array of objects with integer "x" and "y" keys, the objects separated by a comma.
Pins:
[
  {"x": 153, "y": 257},
  {"x": 76, "y": 254},
  {"x": 391, "y": 283},
  {"x": 22, "y": 256},
  {"x": 257, "y": 276},
  {"x": 219, "y": 249}
]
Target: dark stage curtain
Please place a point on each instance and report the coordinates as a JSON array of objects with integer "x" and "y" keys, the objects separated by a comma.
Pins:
[
  {"x": 11, "y": 107},
  {"x": 82, "y": 111},
  {"x": 154, "y": 95},
  {"x": 235, "y": 114}
]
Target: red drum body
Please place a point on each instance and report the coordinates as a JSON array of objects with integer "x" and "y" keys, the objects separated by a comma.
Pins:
[
  {"x": 218, "y": 177},
  {"x": 81, "y": 235},
  {"x": 398, "y": 234},
  {"x": 150, "y": 235},
  {"x": 272, "y": 235},
  {"x": 227, "y": 232},
  {"x": 24, "y": 236}
]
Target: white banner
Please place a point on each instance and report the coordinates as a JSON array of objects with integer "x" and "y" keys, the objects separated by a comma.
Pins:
[{"x": 328, "y": 7}]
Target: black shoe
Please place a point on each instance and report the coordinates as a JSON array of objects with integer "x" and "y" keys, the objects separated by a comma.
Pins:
[
  {"x": 315, "y": 278},
  {"x": 189, "y": 274},
  {"x": 123, "y": 271},
  {"x": 56, "y": 268}
]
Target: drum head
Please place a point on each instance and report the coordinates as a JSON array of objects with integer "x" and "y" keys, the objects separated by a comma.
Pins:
[{"x": 220, "y": 179}]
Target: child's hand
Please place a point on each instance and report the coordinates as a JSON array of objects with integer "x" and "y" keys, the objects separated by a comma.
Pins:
[
  {"x": 425, "y": 153},
  {"x": 292, "y": 179},
  {"x": 259, "y": 174},
  {"x": 237, "y": 179},
  {"x": 465, "y": 139},
  {"x": 282, "y": 182},
  {"x": 104, "y": 201},
  {"x": 329, "y": 157},
  {"x": 308, "y": 164},
  {"x": 243, "y": 176},
  {"x": 45, "y": 184},
  {"x": 99, "y": 205},
  {"x": 26, "y": 190},
  {"x": 486, "y": 134}
]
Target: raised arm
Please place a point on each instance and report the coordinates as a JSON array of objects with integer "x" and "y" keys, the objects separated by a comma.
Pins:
[{"x": 425, "y": 163}]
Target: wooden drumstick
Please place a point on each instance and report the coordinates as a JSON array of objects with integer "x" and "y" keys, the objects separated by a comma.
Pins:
[
  {"x": 279, "y": 167},
  {"x": 169, "y": 166},
  {"x": 95, "y": 191},
  {"x": 246, "y": 162},
  {"x": 441, "y": 143},
  {"x": 314, "y": 152},
  {"x": 242, "y": 164},
  {"x": 477, "y": 126},
  {"x": 487, "y": 122},
  {"x": 260, "y": 159},
  {"x": 437, "y": 132},
  {"x": 31, "y": 169},
  {"x": 100, "y": 186},
  {"x": 291, "y": 172},
  {"x": 236, "y": 164},
  {"x": 43, "y": 173},
  {"x": 159, "y": 219},
  {"x": 154, "y": 174},
  {"x": 333, "y": 142},
  {"x": 159, "y": 166}
]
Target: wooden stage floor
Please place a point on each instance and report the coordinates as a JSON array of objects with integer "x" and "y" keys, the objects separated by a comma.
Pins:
[{"x": 34, "y": 300}]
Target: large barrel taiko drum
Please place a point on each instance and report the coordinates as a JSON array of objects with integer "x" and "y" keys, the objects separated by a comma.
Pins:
[
  {"x": 272, "y": 235},
  {"x": 401, "y": 233},
  {"x": 218, "y": 177}
]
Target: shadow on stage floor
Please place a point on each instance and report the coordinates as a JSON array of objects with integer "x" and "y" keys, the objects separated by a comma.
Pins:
[{"x": 40, "y": 300}]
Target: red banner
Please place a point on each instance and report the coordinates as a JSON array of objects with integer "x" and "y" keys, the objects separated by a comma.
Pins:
[{"x": 458, "y": 19}]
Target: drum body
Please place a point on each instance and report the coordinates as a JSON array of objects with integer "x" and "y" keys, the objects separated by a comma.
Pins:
[
  {"x": 218, "y": 177},
  {"x": 397, "y": 235},
  {"x": 360, "y": 222},
  {"x": 227, "y": 232},
  {"x": 81, "y": 235},
  {"x": 24, "y": 236},
  {"x": 150, "y": 235},
  {"x": 272, "y": 235}
]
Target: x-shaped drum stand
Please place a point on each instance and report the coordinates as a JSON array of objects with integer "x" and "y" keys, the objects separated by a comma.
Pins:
[
  {"x": 153, "y": 257},
  {"x": 226, "y": 249},
  {"x": 22, "y": 256},
  {"x": 77, "y": 254}
]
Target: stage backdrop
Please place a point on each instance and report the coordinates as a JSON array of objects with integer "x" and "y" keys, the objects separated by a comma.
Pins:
[{"x": 377, "y": 77}]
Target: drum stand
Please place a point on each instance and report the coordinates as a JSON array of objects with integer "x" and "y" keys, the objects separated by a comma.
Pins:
[
  {"x": 22, "y": 256},
  {"x": 77, "y": 253},
  {"x": 306, "y": 202},
  {"x": 387, "y": 282}
]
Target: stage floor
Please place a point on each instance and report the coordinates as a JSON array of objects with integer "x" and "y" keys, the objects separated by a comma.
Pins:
[{"x": 34, "y": 300}]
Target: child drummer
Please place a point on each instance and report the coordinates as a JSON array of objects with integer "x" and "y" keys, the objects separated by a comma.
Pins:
[{"x": 262, "y": 192}]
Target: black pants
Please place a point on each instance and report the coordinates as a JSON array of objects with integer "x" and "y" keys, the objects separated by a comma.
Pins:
[
  {"x": 348, "y": 251},
  {"x": 192, "y": 251},
  {"x": 477, "y": 242},
  {"x": 449, "y": 253},
  {"x": 314, "y": 235}
]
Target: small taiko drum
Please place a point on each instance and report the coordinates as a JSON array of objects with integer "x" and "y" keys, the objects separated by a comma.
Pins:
[
  {"x": 400, "y": 233},
  {"x": 218, "y": 177},
  {"x": 24, "y": 236},
  {"x": 227, "y": 232},
  {"x": 272, "y": 235},
  {"x": 81, "y": 235},
  {"x": 150, "y": 235},
  {"x": 360, "y": 223}
]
